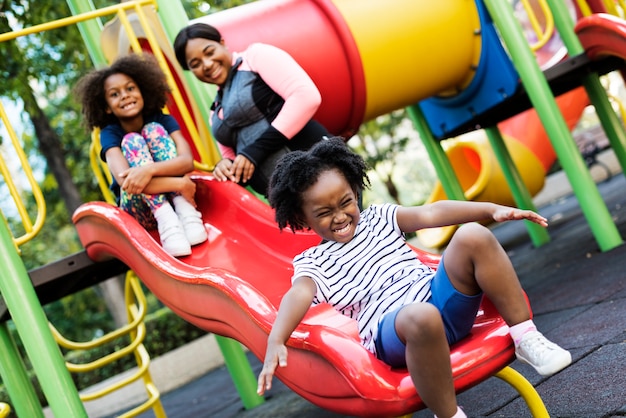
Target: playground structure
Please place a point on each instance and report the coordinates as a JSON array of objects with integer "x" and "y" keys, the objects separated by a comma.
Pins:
[{"x": 361, "y": 107}]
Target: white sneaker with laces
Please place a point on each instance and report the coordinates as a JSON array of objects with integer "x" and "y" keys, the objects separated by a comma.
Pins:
[{"x": 542, "y": 354}]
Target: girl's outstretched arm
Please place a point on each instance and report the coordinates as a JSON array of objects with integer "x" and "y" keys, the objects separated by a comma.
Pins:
[
  {"x": 293, "y": 307},
  {"x": 454, "y": 212}
]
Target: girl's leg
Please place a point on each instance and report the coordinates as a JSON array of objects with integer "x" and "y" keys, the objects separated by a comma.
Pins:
[
  {"x": 153, "y": 209},
  {"x": 137, "y": 153},
  {"x": 476, "y": 261},
  {"x": 163, "y": 148},
  {"x": 420, "y": 327}
]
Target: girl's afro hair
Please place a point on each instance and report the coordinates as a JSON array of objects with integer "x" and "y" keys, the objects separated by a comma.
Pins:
[
  {"x": 145, "y": 72},
  {"x": 299, "y": 170}
]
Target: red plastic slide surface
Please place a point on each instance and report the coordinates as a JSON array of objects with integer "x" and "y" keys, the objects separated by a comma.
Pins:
[
  {"x": 232, "y": 285},
  {"x": 602, "y": 35}
]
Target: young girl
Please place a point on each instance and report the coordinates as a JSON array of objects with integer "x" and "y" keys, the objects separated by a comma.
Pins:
[
  {"x": 407, "y": 314},
  {"x": 264, "y": 105},
  {"x": 145, "y": 150}
]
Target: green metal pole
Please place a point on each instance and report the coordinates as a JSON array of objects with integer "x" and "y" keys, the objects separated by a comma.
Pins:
[
  {"x": 538, "y": 234},
  {"x": 239, "y": 368},
  {"x": 32, "y": 325},
  {"x": 173, "y": 18},
  {"x": 90, "y": 30},
  {"x": 438, "y": 157},
  {"x": 15, "y": 377},
  {"x": 597, "y": 95},
  {"x": 602, "y": 226}
]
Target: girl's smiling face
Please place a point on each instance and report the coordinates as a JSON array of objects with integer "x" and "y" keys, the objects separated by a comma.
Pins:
[
  {"x": 330, "y": 207},
  {"x": 208, "y": 60},
  {"x": 123, "y": 97}
]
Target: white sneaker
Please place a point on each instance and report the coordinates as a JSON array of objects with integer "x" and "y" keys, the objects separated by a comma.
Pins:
[
  {"x": 191, "y": 220},
  {"x": 193, "y": 227},
  {"x": 173, "y": 239},
  {"x": 545, "y": 356}
]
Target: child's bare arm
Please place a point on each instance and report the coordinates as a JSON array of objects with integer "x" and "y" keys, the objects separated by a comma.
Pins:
[
  {"x": 293, "y": 307},
  {"x": 454, "y": 212}
]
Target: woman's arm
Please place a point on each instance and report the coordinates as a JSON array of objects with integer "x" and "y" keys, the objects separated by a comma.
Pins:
[
  {"x": 293, "y": 307},
  {"x": 454, "y": 212},
  {"x": 290, "y": 81}
]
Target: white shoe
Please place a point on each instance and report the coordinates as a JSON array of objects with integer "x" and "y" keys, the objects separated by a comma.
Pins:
[
  {"x": 173, "y": 239},
  {"x": 193, "y": 227},
  {"x": 192, "y": 223},
  {"x": 543, "y": 355}
]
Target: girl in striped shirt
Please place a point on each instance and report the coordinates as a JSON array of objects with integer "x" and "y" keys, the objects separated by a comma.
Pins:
[{"x": 407, "y": 314}]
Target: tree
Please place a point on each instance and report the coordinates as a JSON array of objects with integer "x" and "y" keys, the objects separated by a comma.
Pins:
[
  {"x": 38, "y": 71},
  {"x": 379, "y": 143}
]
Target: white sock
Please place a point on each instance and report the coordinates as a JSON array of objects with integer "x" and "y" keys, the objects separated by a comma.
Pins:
[
  {"x": 164, "y": 212},
  {"x": 518, "y": 330},
  {"x": 182, "y": 205},
  {"x": 459, "y": 413}
]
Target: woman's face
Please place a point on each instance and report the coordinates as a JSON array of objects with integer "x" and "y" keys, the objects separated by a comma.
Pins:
[
  {"x": 330, "y": 207},
  {"x": 208, "y": 60}
]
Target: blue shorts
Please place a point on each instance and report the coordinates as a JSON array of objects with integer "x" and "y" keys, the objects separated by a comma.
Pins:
[{"x": 458, "y": 312}]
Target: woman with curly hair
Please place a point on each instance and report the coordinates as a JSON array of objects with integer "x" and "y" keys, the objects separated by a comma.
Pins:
[
  {"x": 144, "y": 148},
  {"x": 407, "y": 314}
]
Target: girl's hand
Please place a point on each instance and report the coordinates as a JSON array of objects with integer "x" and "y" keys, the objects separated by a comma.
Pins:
[
  {"x": 504, "y": 213},
  {"x": 275, "y": 355},
  {"x": 188, "y": 189},
  {"x": 136, "y": 179}
]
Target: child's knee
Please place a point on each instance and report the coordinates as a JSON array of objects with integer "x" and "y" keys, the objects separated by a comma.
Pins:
[
  {"x": 474, "y": 235},
  {"x": 132, "y": 141},
  {"x": 153, "y": 130},
  {"x": 419, "y": 320}
]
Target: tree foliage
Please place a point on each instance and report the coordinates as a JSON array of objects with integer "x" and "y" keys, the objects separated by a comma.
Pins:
[{"x": 37, "y": 73}]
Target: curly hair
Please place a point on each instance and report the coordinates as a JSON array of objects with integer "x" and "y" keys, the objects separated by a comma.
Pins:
[
  {"x": 145, "y": 72},
  {"x": 297, "y": 171}
]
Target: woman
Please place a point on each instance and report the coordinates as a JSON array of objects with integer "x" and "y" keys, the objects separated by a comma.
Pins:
[{"x": 264, "y": 105}]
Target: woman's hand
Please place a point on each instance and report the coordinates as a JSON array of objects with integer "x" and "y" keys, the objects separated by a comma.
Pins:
[{"x": 239, "y": 170}]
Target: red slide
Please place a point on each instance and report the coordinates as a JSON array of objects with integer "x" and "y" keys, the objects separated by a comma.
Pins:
[
  {"x": 602, "y": 35},
  {"x": 232, "y": 284}
]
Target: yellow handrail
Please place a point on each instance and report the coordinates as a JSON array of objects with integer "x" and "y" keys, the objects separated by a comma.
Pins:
[
  {"x": 31, "y": 229},
  {"x": 543, "y": 34},
  {"x": 177, "y": 96},
  {"x": 99, "y": 167},
  {"x": 136, "y": 306},
  {"x": 5, "y": 410}
]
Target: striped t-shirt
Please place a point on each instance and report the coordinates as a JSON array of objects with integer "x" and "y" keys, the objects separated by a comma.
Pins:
[{"x": 368, "y": 276}]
